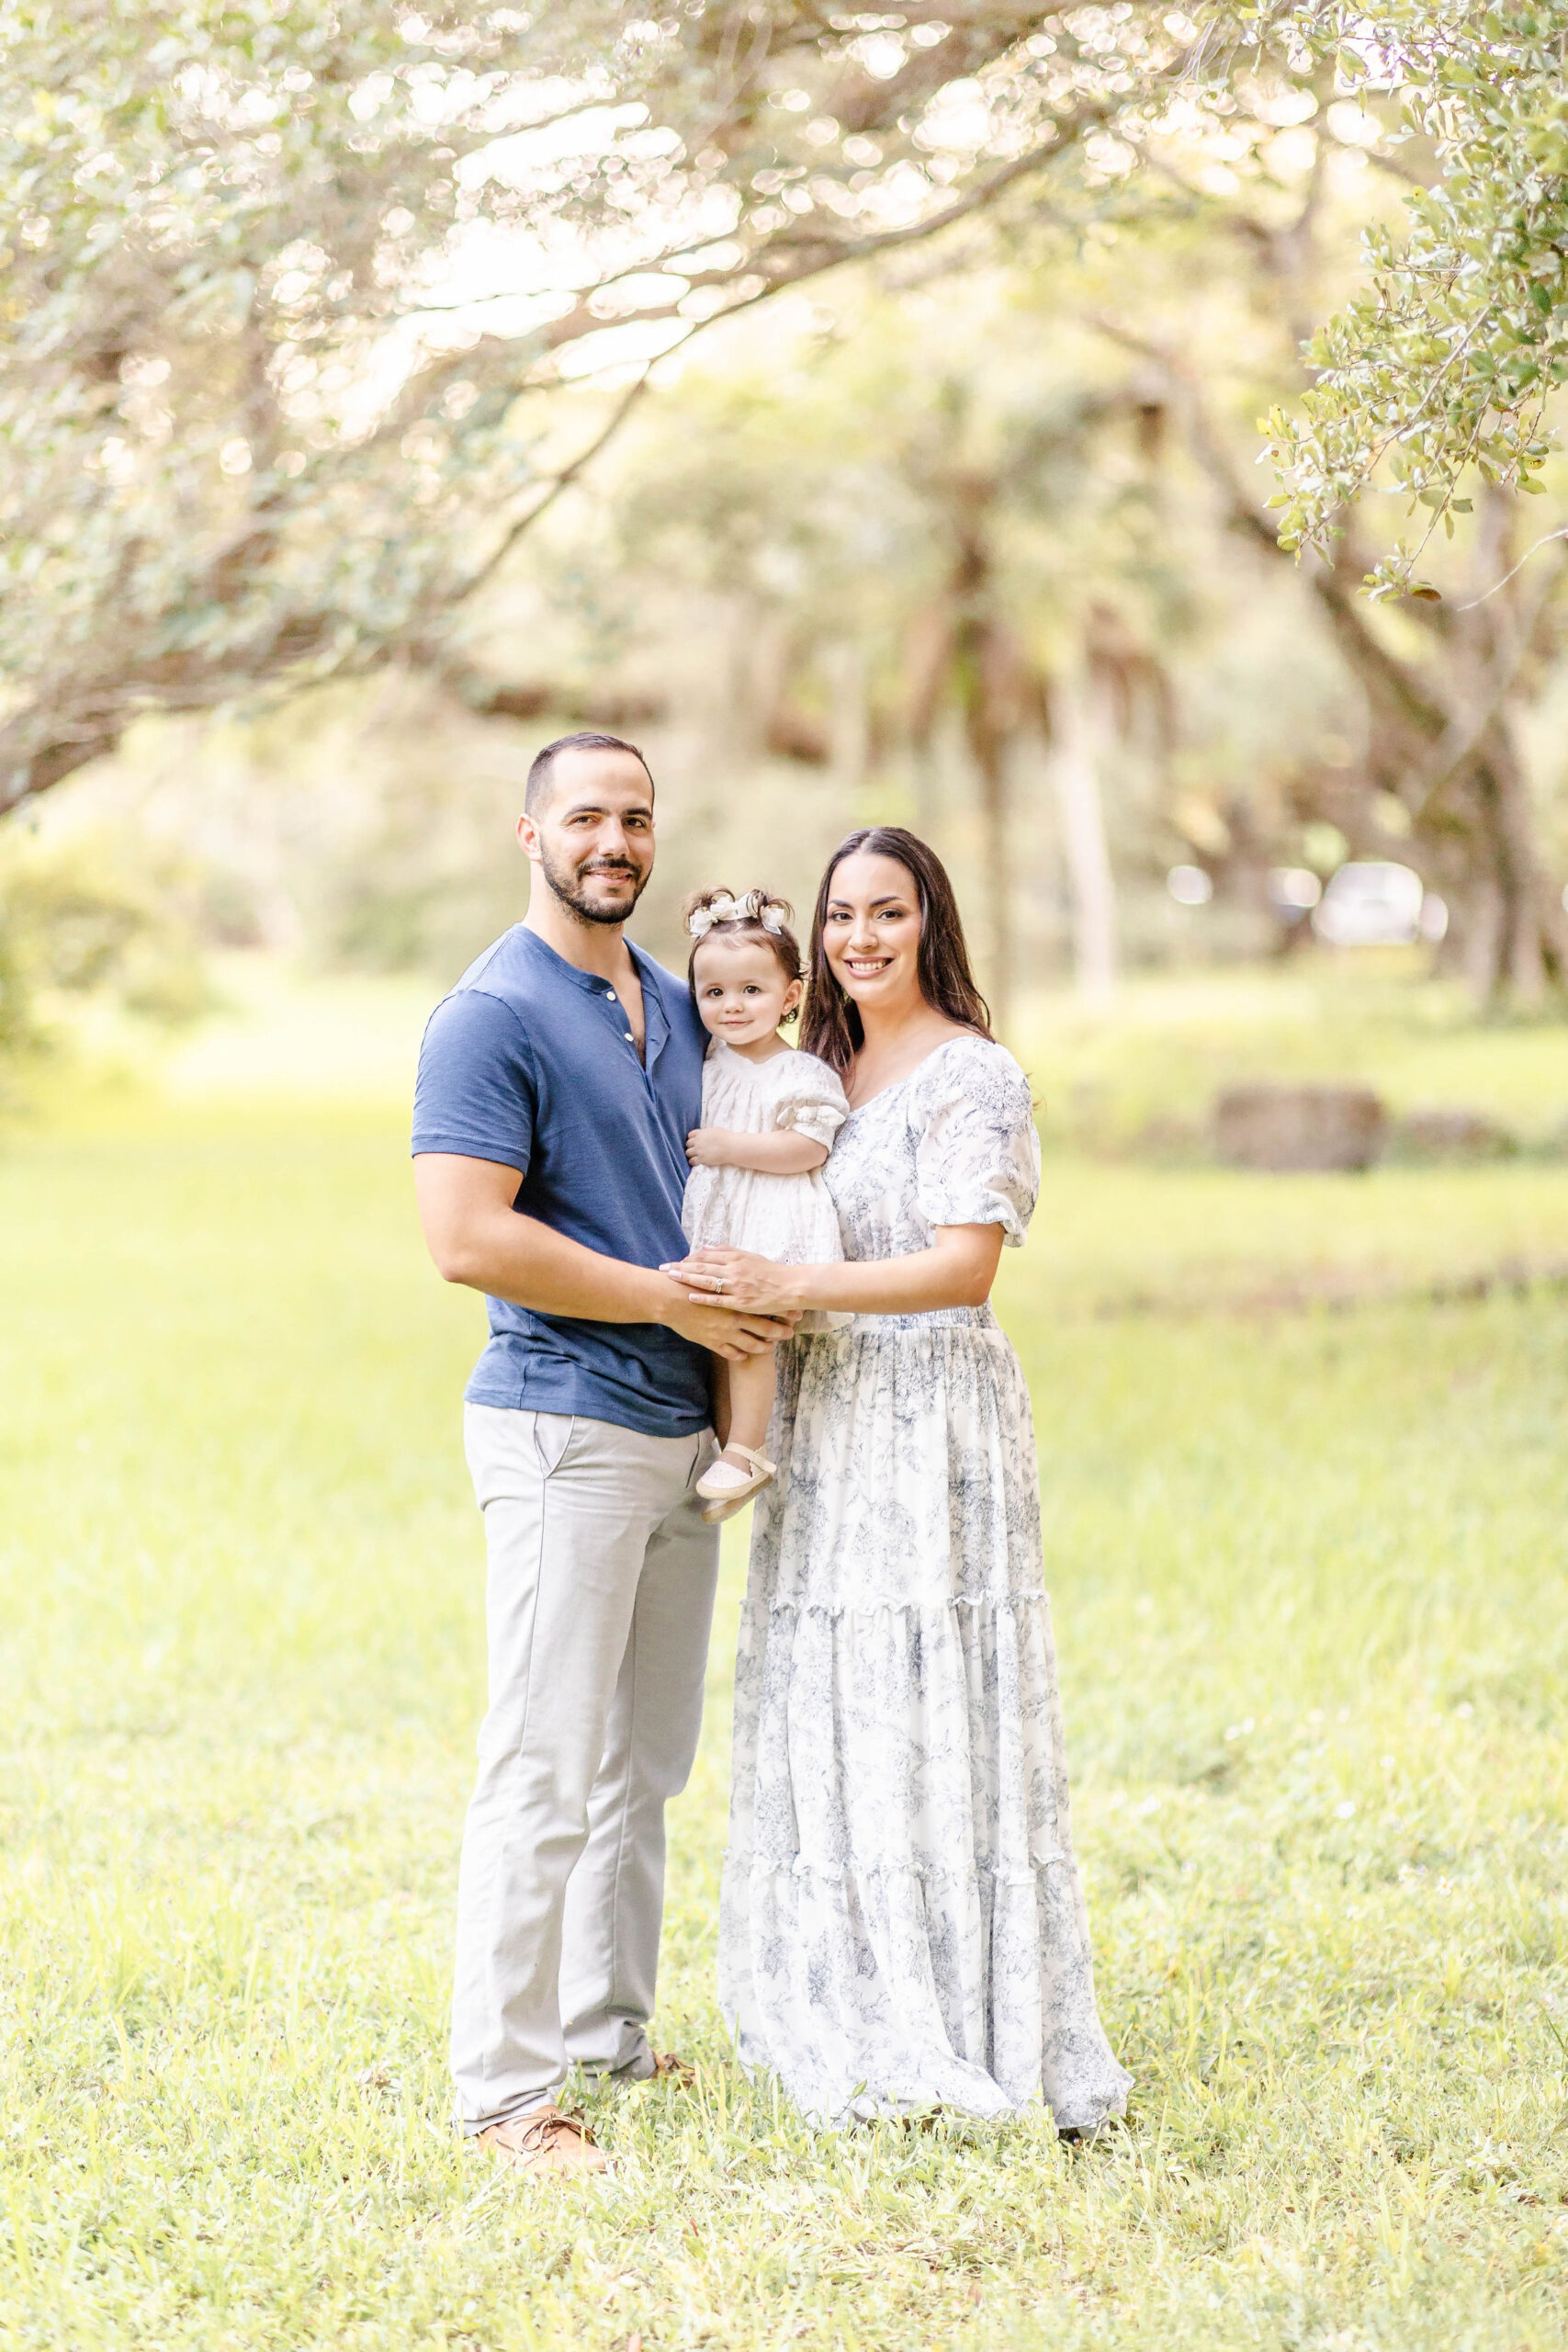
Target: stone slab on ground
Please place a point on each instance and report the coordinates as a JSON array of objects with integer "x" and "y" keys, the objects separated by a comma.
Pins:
[{"x": 1299, "y": 1128}]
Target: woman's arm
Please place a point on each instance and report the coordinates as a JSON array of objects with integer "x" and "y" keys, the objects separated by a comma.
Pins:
[
  {"x": 783, "y": 1153},
  {"x": 956, "y": 1271}
]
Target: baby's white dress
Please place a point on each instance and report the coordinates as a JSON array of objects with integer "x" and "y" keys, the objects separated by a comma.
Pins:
[{"x": 791, "y": 1219}]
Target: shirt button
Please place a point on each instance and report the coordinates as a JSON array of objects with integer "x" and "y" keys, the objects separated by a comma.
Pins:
[
  {"x": 630, "y": 1039},
  {"x": 609, "y": 996}
]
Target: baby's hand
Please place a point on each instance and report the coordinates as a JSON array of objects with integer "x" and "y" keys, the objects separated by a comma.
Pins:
[{"x": 711, "y": 1148}]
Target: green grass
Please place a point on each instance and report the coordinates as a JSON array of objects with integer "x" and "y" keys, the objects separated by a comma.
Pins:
[{"x": 1309, "y": 1577}]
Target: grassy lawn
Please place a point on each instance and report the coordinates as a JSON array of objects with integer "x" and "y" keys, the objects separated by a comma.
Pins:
[{"x": 1308, "y": 1563}]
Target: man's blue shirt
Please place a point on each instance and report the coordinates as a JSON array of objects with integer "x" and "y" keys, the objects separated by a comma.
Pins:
[{"x": 528, "y": 1063}]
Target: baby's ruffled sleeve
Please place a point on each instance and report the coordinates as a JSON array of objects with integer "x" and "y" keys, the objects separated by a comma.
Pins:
[
  {"x": 812, "y": 1100},
  {"x": 977, "y": 1158}
]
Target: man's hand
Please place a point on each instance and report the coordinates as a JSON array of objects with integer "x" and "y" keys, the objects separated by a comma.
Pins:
[
  {"x": 712, "y": 1147},
  {"x": 722, "y": 1330}
]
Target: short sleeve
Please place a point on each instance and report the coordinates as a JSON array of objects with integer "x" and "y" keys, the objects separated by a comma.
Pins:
[
  {"x": 475, "y": 1092},
  {"x": 977, "y": 1158},
  {"x": 812, "y": 1100}
]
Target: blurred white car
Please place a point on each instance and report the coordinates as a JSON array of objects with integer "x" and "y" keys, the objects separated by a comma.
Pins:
[{"x": 1371, "y": 902}]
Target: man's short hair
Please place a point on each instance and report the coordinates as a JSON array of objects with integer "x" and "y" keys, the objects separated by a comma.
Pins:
[{"x": 588, "y": 741}]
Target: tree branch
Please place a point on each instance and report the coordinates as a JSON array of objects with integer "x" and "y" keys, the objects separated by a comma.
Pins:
[
  {"x": 1368, "y": 654},
  {"x": 562, "y": 482}
]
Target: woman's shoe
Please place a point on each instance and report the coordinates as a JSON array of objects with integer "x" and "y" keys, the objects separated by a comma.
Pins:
[{"x": 725, "y": 1489}]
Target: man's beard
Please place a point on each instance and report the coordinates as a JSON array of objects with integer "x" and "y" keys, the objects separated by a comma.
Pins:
[{"x": 567, "y": 882}]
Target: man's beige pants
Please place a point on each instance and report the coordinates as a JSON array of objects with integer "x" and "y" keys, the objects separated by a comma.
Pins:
[{"x": 599, "y": 1602}]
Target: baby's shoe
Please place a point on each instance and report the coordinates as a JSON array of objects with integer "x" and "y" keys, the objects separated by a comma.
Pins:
[{"x": 725, "y": 1487}]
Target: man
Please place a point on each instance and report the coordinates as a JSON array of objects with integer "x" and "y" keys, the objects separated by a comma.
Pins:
[{"x": 556, "y": 1086}]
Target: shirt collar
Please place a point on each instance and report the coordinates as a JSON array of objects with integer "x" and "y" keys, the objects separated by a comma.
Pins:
[
  {"x": 655, "y": 1021},
  {"x": 594, "y": 982}
]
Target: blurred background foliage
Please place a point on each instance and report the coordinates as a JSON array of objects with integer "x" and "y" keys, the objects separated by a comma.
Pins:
[{"x": 861, "y": 412}]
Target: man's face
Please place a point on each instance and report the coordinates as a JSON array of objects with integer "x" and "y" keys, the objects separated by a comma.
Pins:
[{"x": 592, "y": 836}]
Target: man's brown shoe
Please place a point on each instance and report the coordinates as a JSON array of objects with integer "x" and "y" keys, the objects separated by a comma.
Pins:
[
  {"x": 679, "y": 2073},
  {"x": 545, "y": 2139}
]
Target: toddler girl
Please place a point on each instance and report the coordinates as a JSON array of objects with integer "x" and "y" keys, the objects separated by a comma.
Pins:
[{"x": 768, "y": 1117}]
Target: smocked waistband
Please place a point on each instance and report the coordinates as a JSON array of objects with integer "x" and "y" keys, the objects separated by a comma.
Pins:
[{"x": 938, "y": 1319}]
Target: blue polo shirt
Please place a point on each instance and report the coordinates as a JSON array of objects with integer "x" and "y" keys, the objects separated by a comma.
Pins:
[{"x": 528, "y": 1063}]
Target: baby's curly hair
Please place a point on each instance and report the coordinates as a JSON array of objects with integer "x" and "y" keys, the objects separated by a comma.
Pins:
[{"x": 755, "y": 915}]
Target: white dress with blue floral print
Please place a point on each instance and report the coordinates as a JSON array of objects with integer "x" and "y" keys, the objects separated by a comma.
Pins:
[{"x": 902, "y": 1924}]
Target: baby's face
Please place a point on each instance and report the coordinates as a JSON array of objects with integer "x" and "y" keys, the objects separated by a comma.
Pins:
[{"x": 742, "y": 994}]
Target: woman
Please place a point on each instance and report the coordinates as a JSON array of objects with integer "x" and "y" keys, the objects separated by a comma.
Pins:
[{"x": 901, "y": 1923}]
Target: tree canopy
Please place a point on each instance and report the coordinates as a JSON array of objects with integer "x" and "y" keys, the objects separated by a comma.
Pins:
[
  {"x": 1443, "y": 365},
  {"x": 286, "y": 282}
]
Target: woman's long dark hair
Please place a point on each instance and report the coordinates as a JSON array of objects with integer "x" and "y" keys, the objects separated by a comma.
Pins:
[{"x": 829, "y": 1023}]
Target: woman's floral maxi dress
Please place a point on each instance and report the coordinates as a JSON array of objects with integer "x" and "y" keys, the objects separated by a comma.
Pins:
[{"x": 902, "y": 1924}]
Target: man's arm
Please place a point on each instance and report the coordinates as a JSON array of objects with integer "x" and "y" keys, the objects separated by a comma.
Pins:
[{"x": 476, "y": 1238}]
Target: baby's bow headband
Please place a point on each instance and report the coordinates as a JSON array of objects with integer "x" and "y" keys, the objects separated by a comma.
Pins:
[{"x": 755, "y": 907}]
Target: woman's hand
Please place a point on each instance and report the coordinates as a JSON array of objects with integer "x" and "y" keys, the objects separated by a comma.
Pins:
[
  {"x": 738, "y": 1280},
  {"x": 712, "y": 1147}
]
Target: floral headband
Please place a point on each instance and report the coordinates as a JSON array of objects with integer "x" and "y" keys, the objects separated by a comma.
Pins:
[{"x": 755, "y": 907}]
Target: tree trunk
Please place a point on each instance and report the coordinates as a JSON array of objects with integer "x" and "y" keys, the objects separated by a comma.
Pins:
[
  {"x": 925, "y": 789},
  {"x": 1456, "y": 766},
  {"x": 759, "y": 665},
  {"x": 849, "y": 716},
  {"x": 1536, "y": 947},
  {"x": 1092, "y": 886},
  {"x": 997, "y": 865}
]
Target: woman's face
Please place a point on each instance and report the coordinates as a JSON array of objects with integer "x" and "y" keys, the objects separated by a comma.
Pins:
[{"x": 871, "y": 932}]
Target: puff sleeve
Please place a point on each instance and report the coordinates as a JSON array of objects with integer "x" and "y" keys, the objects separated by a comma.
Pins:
[
  {"x": 977, "y": 1156},
  {"x": 811, "y": 1100}
]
